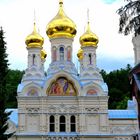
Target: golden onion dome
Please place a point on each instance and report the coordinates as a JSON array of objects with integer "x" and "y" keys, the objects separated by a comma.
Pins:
[
  {"x": 43, "y": 54},
  {"x": 89, "y": 38},
  {"x": 34, "y": 39},
  {"x": 80, "y": 54},
  {"x": 61, "y": 25}
]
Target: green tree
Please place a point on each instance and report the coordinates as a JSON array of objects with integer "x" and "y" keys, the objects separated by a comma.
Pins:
[
  {"x": 4, "y": 116},
  {"x": 118, "y": 86},
  {"x": 130, "y": 17},
  {"x": 13, "y": 78}
]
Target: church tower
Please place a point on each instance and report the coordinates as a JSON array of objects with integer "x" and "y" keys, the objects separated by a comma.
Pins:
[
  {"x": 61, "y": 31},
  {"x": 87, "y": 56},
  {"x": 30, "y": 88},
  {"x": 36, "y": 56},
  {"x": 90, "y": 77}
]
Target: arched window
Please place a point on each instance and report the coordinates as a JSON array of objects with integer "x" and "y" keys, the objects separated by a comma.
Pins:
[
  {"x": 90, "y": 59},
  {"x": 61, "y": 50},
  {"x": 52, "y": 124},
  {"x": 72, "y": 124},
  {"x": 62, "y": 124}
]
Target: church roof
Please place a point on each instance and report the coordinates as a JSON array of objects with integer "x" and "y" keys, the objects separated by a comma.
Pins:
[
  {"x": 122, "y": 114},
  {"x": 112, "y": 114},
  {"x": 13, "y": 116}
]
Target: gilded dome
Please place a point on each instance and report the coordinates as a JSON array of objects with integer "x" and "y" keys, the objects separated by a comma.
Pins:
[
  {"x": 89, "y": 38},
  {"x": 34, "y": 39},
  {"x": 80, "y": 54},
  {"x": 43, "y": 54},
  {"x": 61, "y": 25}
]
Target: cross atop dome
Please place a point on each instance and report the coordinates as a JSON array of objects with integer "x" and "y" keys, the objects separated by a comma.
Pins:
[{"x": 88, "y": 38}]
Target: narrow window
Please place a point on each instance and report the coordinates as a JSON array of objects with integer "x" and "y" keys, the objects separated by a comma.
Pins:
[
  {"x": 73, "y": 124},
  {"x": 62, "y": 124},
  {"x": 52, "y": 124},
  {"x": 61, "y": 53},
  {"x": 90, "y": 59},
  {"x": 33, "y": 59}
]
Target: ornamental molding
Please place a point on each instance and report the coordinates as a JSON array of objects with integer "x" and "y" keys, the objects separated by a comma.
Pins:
[
  {"x": 32, "y": 110},
  {"x": 92, "y": 109},
  {"x": 62, "y": 108},
  {"x": 61, "y": 138}
]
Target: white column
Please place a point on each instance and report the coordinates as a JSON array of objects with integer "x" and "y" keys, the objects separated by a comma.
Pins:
[
  {"x": 67, "y": 123},
  {"x": 57, "y": 123}
]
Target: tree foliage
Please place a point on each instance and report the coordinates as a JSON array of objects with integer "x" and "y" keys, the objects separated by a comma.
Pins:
[
  {"x": 130, "y": 17},
  {"x": 4, "y": 116},
  {"x": 13, "y": 78},
  {"x": 119, "y": 87}
]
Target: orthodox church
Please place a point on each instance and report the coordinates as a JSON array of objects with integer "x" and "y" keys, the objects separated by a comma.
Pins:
[{"x": 62, "y": 103}]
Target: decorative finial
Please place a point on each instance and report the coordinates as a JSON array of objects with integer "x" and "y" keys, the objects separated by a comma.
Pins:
[
  {"x": 34, "y": 28},
  {"x": 34, "y": 16},
  {"x": 34, "y": 22},
  {"x": 61, "y": 2},
  {"x": 88, "y": 15},
  {"x": 88, "y": 26}
]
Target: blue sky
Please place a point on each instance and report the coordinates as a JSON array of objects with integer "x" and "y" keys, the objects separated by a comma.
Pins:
[
  {"x": 114, "y": 50},
  {"x": 109, "y": 1}
]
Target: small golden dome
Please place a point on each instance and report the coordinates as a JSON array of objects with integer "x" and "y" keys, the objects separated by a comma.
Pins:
[
  {"x": 89, "y": 38},
  {"x": 80, "y": 54},
  {"x": 34, "y": 39},
  {"x": 61, "y": 25},
  {"x": 43, "y": 54}
]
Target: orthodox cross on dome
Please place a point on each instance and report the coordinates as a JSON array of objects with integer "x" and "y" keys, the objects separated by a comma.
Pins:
[
  {"x": 88, "y": 23},
  {"x": 35, "y": 22},
  {"x": 88, "y": 15},
  {"x": 34, "y": 16},
  {"x": 87, "y": 28}
]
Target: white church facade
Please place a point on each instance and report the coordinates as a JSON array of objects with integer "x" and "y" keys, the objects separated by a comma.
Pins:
[{"x": 64, "y": 104}]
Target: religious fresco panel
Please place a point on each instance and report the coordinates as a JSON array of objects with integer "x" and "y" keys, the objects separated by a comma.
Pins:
[{"x": 62, "y": 87}]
